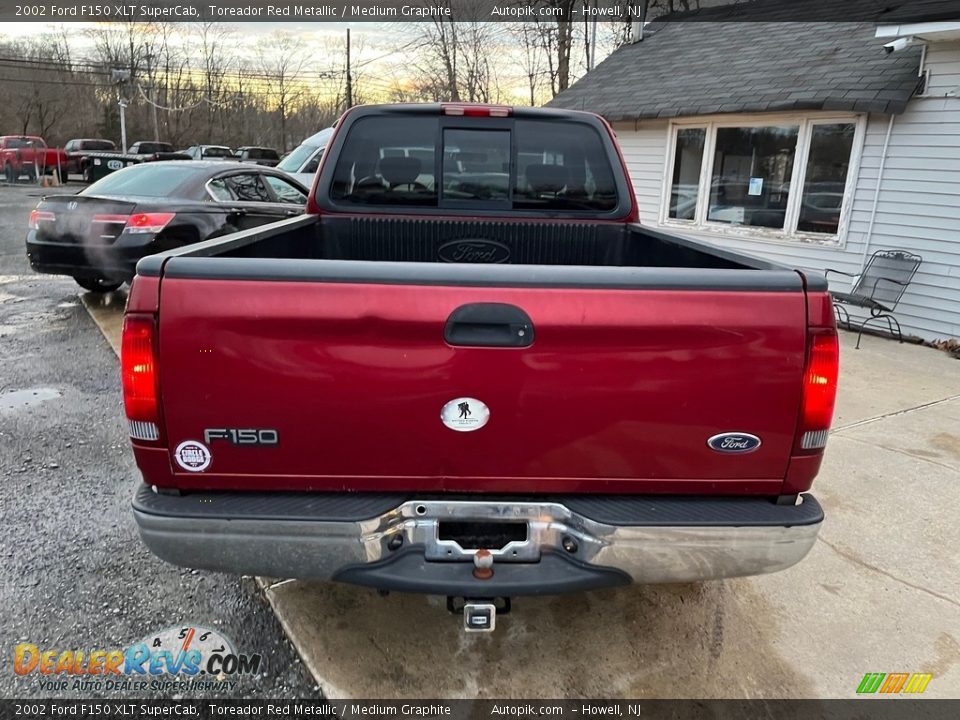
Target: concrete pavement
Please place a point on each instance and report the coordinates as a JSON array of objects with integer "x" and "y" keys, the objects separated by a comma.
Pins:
[{"x": 878, "y": 593}]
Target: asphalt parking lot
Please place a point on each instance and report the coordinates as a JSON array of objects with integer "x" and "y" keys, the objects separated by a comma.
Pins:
[
  {"x": 878, "y": 593},
  {"x": 73, "y": 573}
]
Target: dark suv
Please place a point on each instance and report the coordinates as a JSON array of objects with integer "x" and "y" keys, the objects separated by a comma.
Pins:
[{"x": 259, "y": 155}]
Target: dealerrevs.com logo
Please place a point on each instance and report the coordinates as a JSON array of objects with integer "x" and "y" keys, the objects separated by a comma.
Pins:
[{"x": 180, "y": 658}]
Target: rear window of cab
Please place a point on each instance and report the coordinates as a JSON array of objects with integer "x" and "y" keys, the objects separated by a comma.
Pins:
[{"x": 522, "y": 164}]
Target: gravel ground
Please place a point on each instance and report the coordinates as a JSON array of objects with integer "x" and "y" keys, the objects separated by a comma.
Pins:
[{"x": 73, "y": 572}]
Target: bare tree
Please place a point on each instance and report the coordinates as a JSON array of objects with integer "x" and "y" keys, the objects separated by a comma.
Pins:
[
  {"x": 527, "y": 37},
  {"x": 441, "y": 51},
  {"x": 216, "y": 56},
  {"x": 35, "y": 99},
  {"x": 455, "y": 59},
  {"x": 281, "y": 58}
]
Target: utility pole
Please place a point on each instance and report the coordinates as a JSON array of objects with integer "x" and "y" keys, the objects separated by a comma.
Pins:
[
  {"x": 152, "y": 98},
  {"x": 119, "y": 77},
  {"x": 349, "y": 76},
  {"x": 123, "y": 125}
]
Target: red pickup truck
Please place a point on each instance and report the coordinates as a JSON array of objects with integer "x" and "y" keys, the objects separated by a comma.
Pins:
[
  {"x": 28, "y": 155},
  {"x": 470, "y": 371}
]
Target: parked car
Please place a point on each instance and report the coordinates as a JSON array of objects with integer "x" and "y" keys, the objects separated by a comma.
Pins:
[
  {"x": 259, "y": 155},
  {"x": 475, "y": 388},
  {"x": 102, "y": 163},
  {"x": 28, "y": 155},
  {"x": 98, "y": 235},
  {"x": 302, "y": 162},
  {"x": 209, "y": 152},
  {"x": 151, "y": 147},
  {"x": 77, "y": 152}
]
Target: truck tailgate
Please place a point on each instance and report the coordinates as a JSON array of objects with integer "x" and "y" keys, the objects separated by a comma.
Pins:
[{"x": 619, "y": 390}]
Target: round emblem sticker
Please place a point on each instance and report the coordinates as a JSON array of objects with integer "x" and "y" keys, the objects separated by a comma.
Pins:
[
  {"x": 192, "y": 456},
  {"x": 465, "y": 414}
]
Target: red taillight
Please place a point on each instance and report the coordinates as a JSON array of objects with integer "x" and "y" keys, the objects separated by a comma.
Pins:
[
  {"x": 138, "y": 367},
  {"x": 819, "y": 388},
  {"x": 472, "y": 110},
  {"x": 106, "y": 218},
  {"x": 148, "y": 222},
  {"x": 39, "y": 216}
]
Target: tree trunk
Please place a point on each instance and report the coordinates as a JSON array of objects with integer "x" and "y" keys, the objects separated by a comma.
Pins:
[{"x": 564, "y": 41}]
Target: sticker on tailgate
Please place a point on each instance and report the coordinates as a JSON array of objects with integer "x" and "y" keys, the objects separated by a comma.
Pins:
[
  {"x": 465, "y": 414},
  {"x": 192, "y": 456}
]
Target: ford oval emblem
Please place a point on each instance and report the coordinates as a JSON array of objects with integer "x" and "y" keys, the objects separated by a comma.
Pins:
[
  {"x": 734, "y": 442},
  {"x": 465, "y": 414},
  {"x": 474, "y": 251}
]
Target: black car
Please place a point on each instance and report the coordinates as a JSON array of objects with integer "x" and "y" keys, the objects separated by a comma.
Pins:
[
  {"x": 259, "y": 155},
  {"x": 98, "y": 235},
  {"x": 150, "y": 147},
  {"x": 208, "y": 152}
]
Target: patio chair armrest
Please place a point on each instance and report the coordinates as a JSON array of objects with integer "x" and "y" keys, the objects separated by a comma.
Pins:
[
  {"x": 886, "y": 279},
  {"x": 826, "y": 273}
]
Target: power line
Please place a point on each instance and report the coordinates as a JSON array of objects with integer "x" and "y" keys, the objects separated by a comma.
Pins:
[
  {"x": 197, "y": 104},
  {"x": 161, "y": 70},
  {"x": 53, "y": 82}
]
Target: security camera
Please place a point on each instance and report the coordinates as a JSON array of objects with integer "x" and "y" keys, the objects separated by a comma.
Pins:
[{"x": 898, "y": 44}]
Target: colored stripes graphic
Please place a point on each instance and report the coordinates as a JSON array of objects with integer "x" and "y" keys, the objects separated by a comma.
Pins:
[{"x": 893, "y": 683}]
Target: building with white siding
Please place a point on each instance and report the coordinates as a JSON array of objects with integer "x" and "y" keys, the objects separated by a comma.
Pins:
[{"x": 810, "y": 144}]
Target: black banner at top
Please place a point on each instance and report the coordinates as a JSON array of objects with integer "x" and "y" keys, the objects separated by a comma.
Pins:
[{"x": 299, "y": 11}]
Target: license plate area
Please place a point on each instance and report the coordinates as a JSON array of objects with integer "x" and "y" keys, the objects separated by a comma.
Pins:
[
  {"x": 482, "y": 535},
  {"x": 459, "y": 540}
]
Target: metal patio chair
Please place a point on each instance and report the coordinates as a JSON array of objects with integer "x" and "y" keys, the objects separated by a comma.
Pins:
[{"x": 878, "y": 289}]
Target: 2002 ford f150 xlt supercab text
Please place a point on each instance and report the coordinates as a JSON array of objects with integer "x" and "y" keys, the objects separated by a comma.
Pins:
[{"x": 470, "y": 371}]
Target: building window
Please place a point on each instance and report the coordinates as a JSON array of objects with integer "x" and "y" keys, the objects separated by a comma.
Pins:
[
  {"x": 784, "y": 178},
  {"x": 686, "y": 173},
  {"x": 750, "y": 183},
  {"x": 827, "y": 164}
]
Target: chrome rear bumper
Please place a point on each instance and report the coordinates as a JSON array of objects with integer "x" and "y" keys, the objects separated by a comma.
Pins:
[{"x": 570, "y": 543}]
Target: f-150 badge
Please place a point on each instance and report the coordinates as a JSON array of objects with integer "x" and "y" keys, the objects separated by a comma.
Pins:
[
  {"x": 732, "y": 442},
  {"x": 465, "y": 414}
]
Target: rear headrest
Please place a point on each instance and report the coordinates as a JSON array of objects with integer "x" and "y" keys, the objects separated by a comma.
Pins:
[
  {"x": 399, "y": 170},
  {"x": 546, "y": 178}
]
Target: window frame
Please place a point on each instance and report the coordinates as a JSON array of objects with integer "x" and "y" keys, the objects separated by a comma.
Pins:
[
  {"x": 789, "y": 234},
  {"x": 239, "y": 173},
  {"x": 266, "y": 177},
  {"x": 455, "y": 124}
]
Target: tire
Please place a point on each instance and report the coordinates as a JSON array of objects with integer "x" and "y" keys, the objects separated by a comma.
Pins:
[
  {"x": 98, "y": 285},
  {"x": 88, "y": 174},
  {"x": 31, "y": 175},
  {"x": 9, "y": 174}
]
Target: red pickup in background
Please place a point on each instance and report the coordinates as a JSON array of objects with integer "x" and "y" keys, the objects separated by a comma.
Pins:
[{"x": 29, "y": 155}]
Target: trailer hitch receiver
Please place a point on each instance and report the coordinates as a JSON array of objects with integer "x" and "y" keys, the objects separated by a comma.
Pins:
[{"x": 479, "y": 617}]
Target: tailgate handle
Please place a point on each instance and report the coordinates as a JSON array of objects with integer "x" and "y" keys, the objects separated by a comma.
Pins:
[{"x": 489, "y": 325}]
